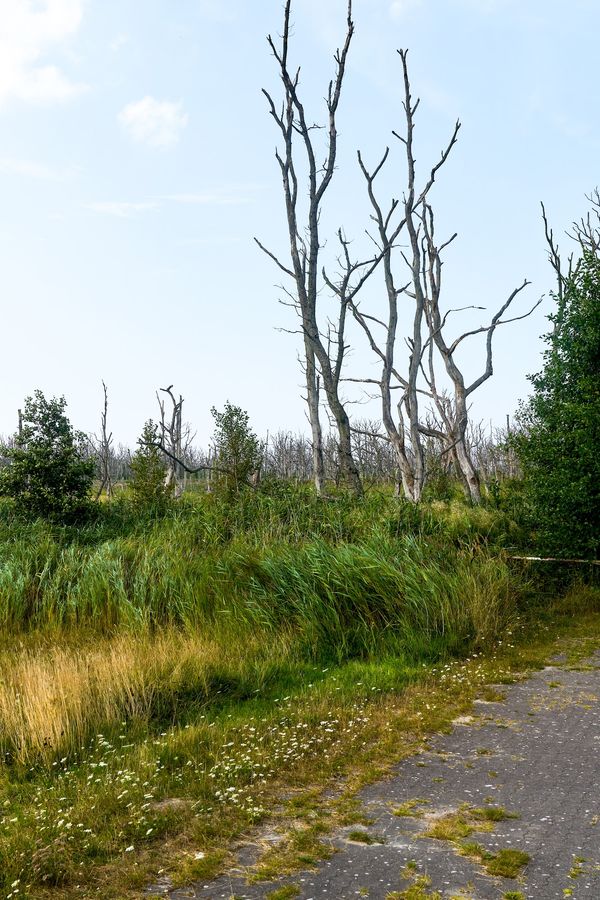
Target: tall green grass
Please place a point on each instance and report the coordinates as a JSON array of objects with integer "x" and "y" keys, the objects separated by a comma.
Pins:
[
  {"x": 385, "y": 595},
  {"x": 279, "y": 511},
  {"x": 350, "y": 578}
]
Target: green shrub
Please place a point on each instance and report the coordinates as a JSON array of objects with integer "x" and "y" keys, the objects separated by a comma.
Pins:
[
  {"x": 237, "y": 449},
  {"x": 558, "y": 444},
  {"x": 48, "y": 474},
  {"x": 148, "y": 485}
]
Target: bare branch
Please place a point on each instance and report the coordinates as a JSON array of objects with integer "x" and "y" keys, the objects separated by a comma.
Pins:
[
  {"x": 490, "y": 334},
  {"x": 191, "y": 470},
  {"x": 373, "y": 434},
  {"x": 495, "y": 324},
  {"x": 103, "y": 449},
  {"x": 553, "y": 254},
  {"x": 275, "y": 259},
  {"x": 587, "y": 232},
  {"x": 362, "y": 381}
]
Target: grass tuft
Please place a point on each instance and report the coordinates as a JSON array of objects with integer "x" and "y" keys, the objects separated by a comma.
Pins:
[
  {"x": 493, "y": 814},
  {"x": 363, "y": 837},
  {"x": 287, "y": 892},
  {"x": 410, "y": 808},
  {"x": 450, "y": 827},
  {"x": 507, "y": 863}
]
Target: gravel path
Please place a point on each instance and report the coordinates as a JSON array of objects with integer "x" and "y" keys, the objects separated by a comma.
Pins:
[{"x": 536, "y": 754}]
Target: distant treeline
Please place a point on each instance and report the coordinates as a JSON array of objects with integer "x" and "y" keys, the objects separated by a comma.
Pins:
[{"x": 287, "y": 456}]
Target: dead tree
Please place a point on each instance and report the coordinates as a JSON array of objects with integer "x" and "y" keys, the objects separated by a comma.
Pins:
[
  {"x": 587, "y": 230},
  {"x": 104, "y": 451},
  {"x": 171, "y": 439},
  {"x": 177, "y": 437},
  {"x": 121, "y": 459},
  {"x": 453, "y": 409},
  {"x": 554, "y": 258},
  {"x": 399, "y": 391},
  {"x": 305, "y": 243},
  {"x": 426, "y": 337},
  {"x": 288, "y": 457},
  {"x": 586, "y": 233},
  {"x": 194, "y": 469},
  {"x": 495, "y": 458},
  {"x": 373, "y": 452}
]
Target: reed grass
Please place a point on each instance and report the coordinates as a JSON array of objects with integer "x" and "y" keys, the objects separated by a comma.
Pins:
[
  {"x": 209, "y": 562},
  {"x": 345, "y": 599}
]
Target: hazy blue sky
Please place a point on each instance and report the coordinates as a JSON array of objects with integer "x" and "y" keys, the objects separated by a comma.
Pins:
[{"x": 136, "y": 165}]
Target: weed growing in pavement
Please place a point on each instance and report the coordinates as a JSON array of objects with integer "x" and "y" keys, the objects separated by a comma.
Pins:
[
  {"x": 287, "y": 892},
  {"x": 363, "y": 837},
  {"x": 410, "y": 808},
  {"x": 508, "y": 863}
]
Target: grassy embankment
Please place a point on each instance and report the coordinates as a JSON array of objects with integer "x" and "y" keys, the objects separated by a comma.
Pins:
[{"x": 161, "y": 682}]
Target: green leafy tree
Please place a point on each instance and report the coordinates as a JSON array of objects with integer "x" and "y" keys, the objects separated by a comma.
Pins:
[
  {"x": 237, "y": 449},
  {"x": 49, "y": 474},
  {"x": 559, "y": 445},
  {"x": 148, "y": 470}
]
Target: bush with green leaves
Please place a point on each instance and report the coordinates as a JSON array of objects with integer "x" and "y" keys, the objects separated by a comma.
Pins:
[
  {"x": 237, "y": 449},
  {"x": 48, "y": 473},
  {"x": 559, "y": 444},
  {"x": 148, "y": 472}
]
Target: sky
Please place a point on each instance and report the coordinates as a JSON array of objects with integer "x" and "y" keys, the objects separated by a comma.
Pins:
[{"x": 137, "y": 166}]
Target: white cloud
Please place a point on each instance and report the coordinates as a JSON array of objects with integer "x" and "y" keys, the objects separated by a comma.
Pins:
[
  {"x": 227, "y": 195},
  {"x": 30, "y": 169},
  {"x": 217, "y": 197},
  {"x": 121, "y": 209},
  {"x": 158, "y": 123},
  {"x": 29, "y": 29}
]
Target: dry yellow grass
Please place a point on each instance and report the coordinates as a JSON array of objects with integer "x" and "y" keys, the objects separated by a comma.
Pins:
[{"x": 54, "y": 697}]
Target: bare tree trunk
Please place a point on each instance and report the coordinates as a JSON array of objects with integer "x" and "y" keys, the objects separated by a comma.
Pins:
[
  {"x": 348, "y": 467},
  {"x": 171, "y": 438},
  {"x": 456, "y": 414},
  {"x": 404, "y": 431},
  {"x": 469, "y": 474},
  {"x": 312, "y": 398},
  {"x": 104, "y": 451},
  {"x": 304, "y": 241}
]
